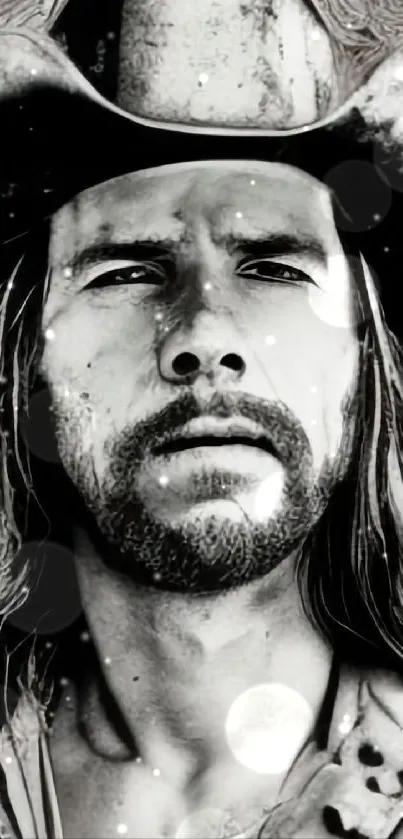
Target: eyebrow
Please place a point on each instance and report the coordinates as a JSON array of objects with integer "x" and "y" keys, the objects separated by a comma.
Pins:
[
  {"x": 121, "y": 250},
  {"x": 265, "y": 245},
  {"x": 276, "y": 244}
]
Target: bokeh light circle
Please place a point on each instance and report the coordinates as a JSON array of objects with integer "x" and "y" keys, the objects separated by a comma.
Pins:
[
  {"x": 364, "y": 195},
  {"x": 266, "y": 727},
  {"x": 54, "y": 601},
  {"x": 341, "y": 305}
]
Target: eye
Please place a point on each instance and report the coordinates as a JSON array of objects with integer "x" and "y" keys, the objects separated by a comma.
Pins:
[
  {"x": 274, "y": 272},
  {"x": 146, "y": 273}
]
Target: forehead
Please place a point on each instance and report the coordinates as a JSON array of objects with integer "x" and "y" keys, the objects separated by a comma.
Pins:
[{"x": 165, "y": 202}]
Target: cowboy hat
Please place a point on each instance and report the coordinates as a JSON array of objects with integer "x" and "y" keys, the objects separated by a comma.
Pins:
[{"x": 60, "y": 134}]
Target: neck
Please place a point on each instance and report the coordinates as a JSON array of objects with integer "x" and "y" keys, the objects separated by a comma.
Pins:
[{"x": 177, "y": 663}]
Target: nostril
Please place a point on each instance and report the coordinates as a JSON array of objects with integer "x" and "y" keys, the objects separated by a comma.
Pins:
[
  {"x": 372, "y": 784},
  {"x": 185, "y": 363},
  {"x": 370, "y": 755},
  {"x": 233, "y": 361},
  {"x": 332, "y": 821}
]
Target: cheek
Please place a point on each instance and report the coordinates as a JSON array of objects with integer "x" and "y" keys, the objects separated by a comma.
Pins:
[
  {"x": 311, "y": 366},
  {"x": 336, "y": 367},
  {"x": 99, "y": 364}
]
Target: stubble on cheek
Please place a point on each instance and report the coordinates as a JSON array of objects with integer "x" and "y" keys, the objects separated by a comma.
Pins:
[{"x": 77, "y": 428}]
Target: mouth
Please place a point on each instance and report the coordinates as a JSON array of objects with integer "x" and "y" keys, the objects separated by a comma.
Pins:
[{"x": 200, "y": 434}]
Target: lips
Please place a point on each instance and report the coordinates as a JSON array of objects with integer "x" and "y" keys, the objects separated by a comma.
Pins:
[{"x": 200, "y": 433}]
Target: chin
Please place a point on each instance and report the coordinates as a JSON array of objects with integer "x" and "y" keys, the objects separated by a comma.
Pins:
[{"x": 212, "y": 546}]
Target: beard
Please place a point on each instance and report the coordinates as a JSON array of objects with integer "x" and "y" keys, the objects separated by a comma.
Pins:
[{"x": 203, "y": 551}]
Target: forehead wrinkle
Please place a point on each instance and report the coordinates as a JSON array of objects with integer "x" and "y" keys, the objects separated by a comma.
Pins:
[
  {"x": 215, "y": 194},
  {"x": 272, "y": 204}
]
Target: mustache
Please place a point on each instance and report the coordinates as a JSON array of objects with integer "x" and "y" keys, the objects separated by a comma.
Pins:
[{"x": 279, "y": 425}]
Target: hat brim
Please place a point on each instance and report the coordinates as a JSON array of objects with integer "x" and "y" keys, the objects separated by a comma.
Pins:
[
  {"x": 59, "y": 137},
  {"x": 57, "y": 126},
  {"x": 30, "y": 57}
]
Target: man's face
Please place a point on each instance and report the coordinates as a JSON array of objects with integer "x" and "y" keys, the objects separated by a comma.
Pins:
[{"x": 200, "y": 349}]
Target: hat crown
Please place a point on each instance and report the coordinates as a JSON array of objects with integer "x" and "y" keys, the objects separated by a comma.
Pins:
[
  {"x": 258, "y": 64},
  {"x": 225, "y": 64}
]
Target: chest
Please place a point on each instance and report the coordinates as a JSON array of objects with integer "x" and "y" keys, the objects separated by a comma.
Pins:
[{"x": 99, "y": 797}]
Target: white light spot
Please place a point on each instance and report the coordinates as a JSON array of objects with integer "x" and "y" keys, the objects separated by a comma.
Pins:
[
  {"x": 314, "y": 422},
  {"x": 10, "y": 285},
  {"x": 266, "y": 727},
  {"x": 316, "y": 35},
  {"x": 252, "y": 182},
  {"x": 163, "y": 480},
  {"x": 107, "y": 661},
  {"x": 68, "y": 272},
  {"x": 208, "y": 286},
  {"x": 9, "y": 760},
  {"x": 333, "y": 306},
  {"x": 376, "y": 217},
  {"x": 268, "y": 495},
  {"x": 239, "y": 214},
  {"x": 156, "y": 773},
  {"x": 139, "y": 760},
  {"x": 399, "y": 73},
  {"x": 159, "y": 316},
  {"x": 49, "y": 334},
  {"x": 386, "y": 249},
  {"x": 203, "y": 78},
  {"x": 157, "y": 577},
  {"x": 270, "y": 340},
  {"x": 346, "y": 724},
  {"x": 313, "y": 389},
  {"x": 64, "y": 682},
  {"x": 11, "y": 215},
  {"x": 67, "y": 392},
  {"x": 34, "y": 72},
  {"x": 121, "y": 829}
]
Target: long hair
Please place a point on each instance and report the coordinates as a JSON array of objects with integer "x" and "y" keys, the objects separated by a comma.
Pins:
[{"x": 350, "y": 569}]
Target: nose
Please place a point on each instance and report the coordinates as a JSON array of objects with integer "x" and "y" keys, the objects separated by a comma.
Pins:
[{"x": 190, "y": 360}]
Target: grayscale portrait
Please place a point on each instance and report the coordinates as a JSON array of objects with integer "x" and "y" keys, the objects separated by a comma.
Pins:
[{"x": 201, "y": 404}]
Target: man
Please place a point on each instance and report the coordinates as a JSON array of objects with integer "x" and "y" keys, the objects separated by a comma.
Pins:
[{"x": 228, "y": 424}]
